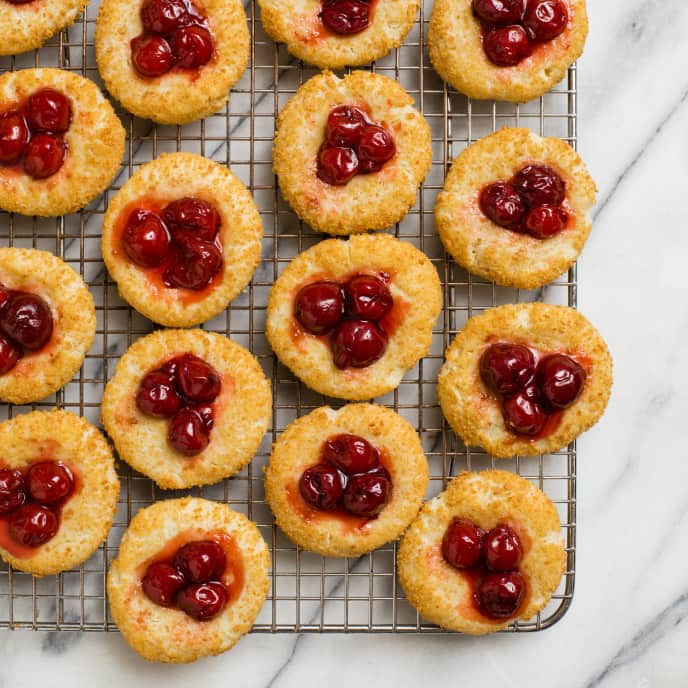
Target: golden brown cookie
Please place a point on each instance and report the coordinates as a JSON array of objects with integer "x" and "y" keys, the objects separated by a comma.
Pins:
[
  {"x": 42, "y": 372},
  {"x": 511, "y": 258},
  {"x": 94, "y": 145},
  {"x": 417, "y": 299},
  {"x": 339, "y": 533},
  {"x": 242, "y": 410},
  {"x": 474, "y": 411},
  {"x": 169, "y": 178},
  {"x": 167, "y": 634},
  {"x": 86, "y": 514},
  {"x": 298, "y": 24},
  {"x": 180, "y": 96},
  {"x": 367, "y": 201},
  {"x": 444, "y": 594},
  {"x": 455, "y": 42}
]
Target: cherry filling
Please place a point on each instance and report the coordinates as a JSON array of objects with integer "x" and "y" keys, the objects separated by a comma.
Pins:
[
  {"x": 354, "y": 144},
  {"x": 513, "y": 28},
  {"x": 31, "y": 135},
  {"x": 346, "y": 17},
  {"x": 349, "y": 477},
  {"x": 530, "y": 202},
  {"x": 531, "y": 386},
  {"x": 175, "y": 34},
  {"x": 493, "y": 559},
  {"x": 182, "y": 390}
]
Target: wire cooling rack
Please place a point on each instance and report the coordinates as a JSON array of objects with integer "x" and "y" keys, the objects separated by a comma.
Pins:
[{"x": 308, "y": 592}]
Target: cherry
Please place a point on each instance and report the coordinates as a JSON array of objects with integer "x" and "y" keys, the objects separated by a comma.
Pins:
[
  {"x": 207, "y": 414},
  {"x": 192, "y": 46},
  {"x": 561, "y": 380},
  {"x": 499, "y": 595},
  {"x": 344, "y": 126},
  {"x": 375, "y": 148},
  {"x": 197, "y": 380},
  {"x": 367, "y": 298},
  {"x": 14, "y": 135},
  {"x": 357, "y": 344},
  {"x": 193, "y": 213},
  {"x": 162, "y": 582},
  {"x": 187, "y": 432},
  {"x": 32, "y": 525},
  {"x": 12, "y": 490},
  {"x": 27, "y": 321},
  {"x": 157, "y": 397},
  {"x": 545, "y": 221},
  {"x": 195, "y": 264},
  {"x": 503, "y": 550},
  {"x": 507, "y": 46},
  {"x": 203, "y": 601},
  {"x": 523, "y": 413},
  {"x": 350, "y": 454},
  {"x": 462, "y": 545},
  {"x": 151, "y": 55},
  {"x": 8, "y": 356},
  {"x": 502, "y": 204},
  {"x": 540, "y": 185},
  {"x": 545, "y": 19},
  {"x": 201, "y": 561},
  {"x": 146, "y": 239},
  {"x": 506, "y": 368},
  {"x": 5, "y": 295},
  {"x": 368, "y": 493},
  {"x": 319, "y": 306},
  {"x": 321, "y": 487},
  {"x": 500, "y": 12},
  {"x": 49, "y": 482},
  {"x": 44, "y": 155},
  {"x": 49, "y": 110},
  {"x": 337, "y": 165},
  {"x": 164, "y": 16},
  {"x": 345, "y": 16}
]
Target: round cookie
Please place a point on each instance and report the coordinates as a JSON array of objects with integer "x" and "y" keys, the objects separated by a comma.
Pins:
[
  {"x": 300, "y": 446},
  {"x": 298, "y": 24},
  {"x": 47, "y": 370},
  {"x": 94, "y": 140},
  {"x": 440, "y": 592},
  {"x": 473, "y": 411},
  {"x": 88, "y": 514},
  {"x": 482, "y": 247},
  {"x": 163, "y": 634},
  {"x": 170, "y": 177},
  {"x": 415, "y": 288},
  {"x": 242, "y": 410},
  {"x": 368, "y": 201},
  {"x": 176, "y": 97}
]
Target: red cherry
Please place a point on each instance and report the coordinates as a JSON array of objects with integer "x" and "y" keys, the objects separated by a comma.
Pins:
[
  {"x": 350, "y": 454},
  {"x": 462, "y": 545},
  {"x": 500, "y": 12},
  {"x": 506, "y": 46},
  {"x": 207, "y": 414},
  {"x": 32, "y": 525},
  {"x": 367, "y": 494},
  {"x": 27, "y": 320},
  {"x": 201, "y": 561},
  {"x": 12, "y": 490},
  {"x": 49, "y": 110},
  {"x": 344, "y": 126},
  {"x": 157, "y": 397},
  {"x": 151, "y": 55},
  {"x": 321, "y": 487},
  {"x": 560, "y": 379},
  {"x": 14, "y": 135},
  {"x": 540, "y": 185},
  {"x": 145, "y": 239},
  {"x": 203, "y": 601},
  {"x": 196, "y": 379},
  {"x": 357, "y": 344},
  {"x": 375, "y": 148},
  {"x": 499, "y": 595},
  {"x": 195, "y": 214},
  {"x": 195, "y": 264},
  {"x": 545, "y": 19},
  {"x": 523, "y": 413},
  {"x": 5, "y": 295},
  {"x": 44, "y": 155},
  {"x": 503, "y": 549},
  {"x": 336, "y": 165},
  {"x": 506, "y": 368},
  {"x": 192, "y": 46},
  {"x": 545, "y": 221},
  {"x": 20, "y": 2},
  {"x": 49, "y": 482},
  {"x": 345, "y": 16},
  {"x": 367, "y": 298},
  {"x": 188, "y": 433},
  {"x": 502, "y": 204},
  {"x": 164, "y": 16},
  {"x": 161, "y": 583},
  {"x": 319, "y": 306},
  {"x": 8, "y": 356}
]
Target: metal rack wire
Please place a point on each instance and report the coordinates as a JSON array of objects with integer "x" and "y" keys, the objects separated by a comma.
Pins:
[{"x": 308, "y": 592}]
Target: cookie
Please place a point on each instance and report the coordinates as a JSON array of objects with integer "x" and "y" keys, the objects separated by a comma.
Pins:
[
  {"x": 240, "y": 411},
  {"x": 337, "y": 41},
  {"x": 36, "y": 284},
  {"x": 511, "y": 256},
  {"x": 444, "y": 594},
  {"x": 476, "y": 412},
  {"x": 194, "y": 81},
  {"x": 236, "y": 244},
  {"x": 164, "y": 634},
  {"x": 458, "y": 44},
  {"x": 346, "y": 529},
  {"x": 374, "y": 200},
  {"x": 406, "y": 282},
  {"x": 75, "y": 521},
  {"x": 56, "y": 168}
]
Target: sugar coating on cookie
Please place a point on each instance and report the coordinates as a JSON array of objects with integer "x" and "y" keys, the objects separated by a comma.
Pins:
[
  {"x": 509, "y": 258},
  {"x": 298, "y": 24},
  {"x": 300, "y": 446},
  {"x": 368, "y": 201},
  {"x": 455, "y": 44},
  {"x": 167, "y": 634},
  {"x": 474, "y": 413},
  {"x": 181, "y": 96},
  {"x": 95, "y": 146},
  {"x": 47, "y": 370},
  {"x": 171, "y": 177},
  {"x": 440, "y": 592},
  {"x": 242, "y": 410},
  {"x": 87, "y": 515},
  {"x": 414, "y": 285}
]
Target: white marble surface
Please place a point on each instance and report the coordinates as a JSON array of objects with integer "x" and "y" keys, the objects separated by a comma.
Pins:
[{"x": 625, "y": 626}]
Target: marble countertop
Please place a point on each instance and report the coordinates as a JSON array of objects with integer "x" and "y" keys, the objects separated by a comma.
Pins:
[{"x": 625, "y": 625}]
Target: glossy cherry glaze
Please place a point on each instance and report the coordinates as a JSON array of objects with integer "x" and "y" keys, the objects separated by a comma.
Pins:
[
  {"x": 346, "y": 17},
  {"x": 462, "y": 545}
]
